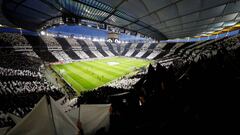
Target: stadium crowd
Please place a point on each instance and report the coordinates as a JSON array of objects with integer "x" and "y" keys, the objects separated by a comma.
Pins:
[
  {"x": 13, "y": 39},
  {"x": 12, "y": 72},
  {"x": 128, "y": 82},
  {"x": 195, "y": 93},
  {"x": 192, "y": 95},
  {"x": 21, "y": 86},
  {"x": 124, "y": 83}
]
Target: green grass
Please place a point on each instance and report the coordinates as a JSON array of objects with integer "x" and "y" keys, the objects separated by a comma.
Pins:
[{"x": 88, "y": 75}]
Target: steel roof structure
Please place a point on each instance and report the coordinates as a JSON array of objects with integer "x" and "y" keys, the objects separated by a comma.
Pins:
[{"x": 160, "y": 19}]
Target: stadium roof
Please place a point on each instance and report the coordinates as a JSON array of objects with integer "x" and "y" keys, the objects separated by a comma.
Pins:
[{"x": 159, "y": 19}]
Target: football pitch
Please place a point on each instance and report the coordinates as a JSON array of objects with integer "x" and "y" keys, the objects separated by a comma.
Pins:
[{"x": 91, "y": 74}]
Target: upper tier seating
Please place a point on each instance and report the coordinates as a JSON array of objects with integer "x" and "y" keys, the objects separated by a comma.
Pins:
[{"x": 53, "y": 49}]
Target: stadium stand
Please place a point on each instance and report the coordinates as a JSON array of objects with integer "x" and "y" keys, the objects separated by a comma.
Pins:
[
  {"x": 165, "y": 50},
  {"x": 59, "y": 49},
  {"x": 126, "y": 48},
  {"x": 137, "y": 49},
  {"x": 25, "y": 84},
  {"x": 131, "y": 50},
  {"x": 143, "y": 50},
  {"x": 21, "y": 84},
  {"x": 70, "y": 49},
  {"x": 66, "y": 47},
  {"x": 106, "y": 49},
  {"x": 100, "y": 49},
  {"x": 40, "y": 48},
  {"x": 149, "y": 50},
  {"x": 190, "y": 87},
  {"x": 86, "y": 49},
  {"x": 156, "y": 51},
  {"x": 119, "y": 67},
  {"x": 111, "y": 48}
]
